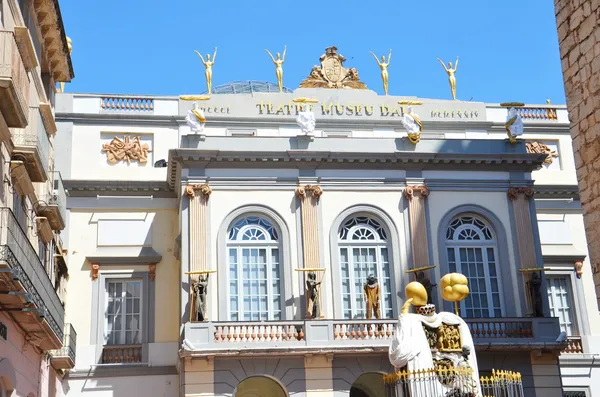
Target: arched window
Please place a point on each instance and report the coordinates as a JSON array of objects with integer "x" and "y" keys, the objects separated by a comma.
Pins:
[
  {"x": 472, "y": 250},
  {"x": 254, "y": 258},
  {"x": 364, "y": 250}
]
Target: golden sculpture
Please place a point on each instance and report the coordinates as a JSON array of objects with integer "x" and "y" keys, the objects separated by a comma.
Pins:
[
  {"x": 538, "y": 147},
  {"x": 127, "y": 150},
  {"x": 455, "y": 287},
  {"x": 332, "y": 73},
  {"x": 278, "y": 66},
  {"x": 372, "y": 294},
  {"x": 208, "y": 64},
  {"x": 383, "y": 65},
  {"x": 448, "y": 338},
  {"x": 451, "y": 78}
]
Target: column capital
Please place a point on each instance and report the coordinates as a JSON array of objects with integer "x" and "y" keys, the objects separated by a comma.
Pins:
[
  {"x": 203, "y": 188},
  {"x": 411, "y": 190},
  {"x": 307, "y": 190},
  {"x": 515, "y": 192}
]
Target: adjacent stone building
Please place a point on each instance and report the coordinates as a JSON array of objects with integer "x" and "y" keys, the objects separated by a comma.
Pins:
[{"x": 578, "y": 25}]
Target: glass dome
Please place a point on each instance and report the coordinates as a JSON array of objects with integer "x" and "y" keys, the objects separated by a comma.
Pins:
[{"x": 247, "y": 87}]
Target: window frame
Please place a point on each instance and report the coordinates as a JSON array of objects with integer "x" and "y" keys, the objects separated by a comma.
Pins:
[
  {"x": 239, "y": 244},
  {"x": 124, "y": 313},
  {"x": 578, "y": 300},
  {"x": 350, "y": 245},
  {"x": 484, "y": 245},
  {"x": 148, "y": 303}
]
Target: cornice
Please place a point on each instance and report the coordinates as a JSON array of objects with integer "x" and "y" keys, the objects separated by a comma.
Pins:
[{"x": 91, "y": 188}]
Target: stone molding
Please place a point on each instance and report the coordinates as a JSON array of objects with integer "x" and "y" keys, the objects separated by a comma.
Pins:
[
  {"x": 419, "y": 240},
  {"x": 419, "y": 190},
  {"x": 515, "y": 192}
]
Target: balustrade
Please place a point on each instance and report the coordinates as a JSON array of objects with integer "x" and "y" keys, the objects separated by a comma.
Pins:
[
  {"x": 574, "y": 345},
  {"x": 127, "y": 104},
  {"x": 500, "y": 328},
  {"x": 537, "y": 113},
  {"x": 122, "y": 354},
  {"x": 259, "y": 332}
]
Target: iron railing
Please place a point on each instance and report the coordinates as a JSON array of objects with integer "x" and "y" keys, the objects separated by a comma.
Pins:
[
  {"x": 69, "y": 343},
  {"x": 17, "y": 251},
  {"x": 34, "y": 135}
]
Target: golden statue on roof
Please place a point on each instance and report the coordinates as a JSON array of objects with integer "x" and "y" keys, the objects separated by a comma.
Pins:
[
  {"x": 332, "y": 73},
  {"x": 278, "y": 66},
  {"x": 383, "y": 65},
  {"x": 208, "y": 64},
  {"x": 451, "y": 71}
]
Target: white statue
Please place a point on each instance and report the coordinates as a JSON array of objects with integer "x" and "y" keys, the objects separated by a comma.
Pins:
[
  {"x": 195, "y": 119},
  {"x": 411, "y": 348},
  {"x": 514, "y": 125},
  {"x": 307, "y": 121},
  {"x": 412, "y": 124}
]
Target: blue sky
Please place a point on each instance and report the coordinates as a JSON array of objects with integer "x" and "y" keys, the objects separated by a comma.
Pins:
[{"x": 508, "y": 49}]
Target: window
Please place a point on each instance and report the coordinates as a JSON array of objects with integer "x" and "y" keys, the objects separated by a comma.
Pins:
[
  {"x": 472, "y": 251},
  {"x": 254, "y": 263},
  {"x": 123, "y": 316},
  {"x": 560, "y": 299},
  {"x": 364, "y": 250},
  {"x": 575, "y": 393},
  {"x": 20, "y": 210}
]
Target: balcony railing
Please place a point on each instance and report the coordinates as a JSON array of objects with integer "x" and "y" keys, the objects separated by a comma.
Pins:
[
  {"x": 122, "y": 354},
  {"x": 490, "y": 332},
  {"x": 16, "y": 250},
  {"x": 52, "y": 201},
  {"x": 574, "y": 345},
  {"x": 14, "y": 82},
  {"x": 127, "y": 104},
  {"x": 64, "y": 358},
  {"x": 33, "y": 146},
  {"x": 537, "y": 113}
]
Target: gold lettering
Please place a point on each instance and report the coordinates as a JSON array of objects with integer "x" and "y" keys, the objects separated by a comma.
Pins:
[
  {"x": 327, "y": 110},
  {"x": 396, "y": 112},
  {"x": 339, "y": 109},
  {"x": 385, "y": 110},
  {"x": 358, "y": 110},
  {"x": 280, "y": 109},
  {"x": 369, "y": 109},
  {"x": 261, "y": 107},
  {"x": 350, "y": 110}
]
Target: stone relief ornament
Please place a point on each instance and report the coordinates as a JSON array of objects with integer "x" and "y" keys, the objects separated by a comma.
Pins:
[
  {"x": 514, "y": 125},
  {"x": 332, "y": 73},
  {"x": 307, "y": 122},
  {"x": 127, "y": 150},
  {"x": 538, "y": 147},
  {"x": 413, "y": 126},
  {"x": 195, "y": 119}
]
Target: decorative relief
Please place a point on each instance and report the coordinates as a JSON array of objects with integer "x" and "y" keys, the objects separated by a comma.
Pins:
[
  {"x": 410, "y": 191},
  {"x": 538, "y": 147},
  {"x": 95, "y": 269},
  {"x": 129, "y": 149},
  {"x": 204, "y": 189},
  {"x": 332, "y": 73},
  {"x": 514, "y": 192},
  {"x": 152, "y": 271},
  {"x": 579, "y": 268},
  {"x": 446, "y": 338},
  {"x": 303, "y": 191}
]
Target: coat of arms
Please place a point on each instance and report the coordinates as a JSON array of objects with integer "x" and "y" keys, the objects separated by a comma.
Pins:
[{"x": 332, "y": 73}]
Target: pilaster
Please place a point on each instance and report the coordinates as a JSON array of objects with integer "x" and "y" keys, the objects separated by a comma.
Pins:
[
  {"x": 309, "y": 201},
  {"x": 546, "y": 374},
  {"x": 199, "y": 379},
  {"x": 319, "y": 375},
  {"x": 198, "y": 195},
  {"x": 416, "y": 196},
  {"x": 520, "y": 200}
]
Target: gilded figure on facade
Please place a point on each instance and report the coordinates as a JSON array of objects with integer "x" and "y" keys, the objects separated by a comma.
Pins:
[
  {"x": 208, "y": 65},
  {"x": 278, "y": 66},
  {"x": 372, "y": 294},
  {"x": 313, "y": 306},
  {"x": 129, "y": 149},
  {"x": 451, "y": 71},
  {"x": 383, "y": 65}
]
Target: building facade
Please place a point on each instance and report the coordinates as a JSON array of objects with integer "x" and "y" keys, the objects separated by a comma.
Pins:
[
  {"x": 246, "y": 204},
  {"x": 36, "y": 345},
  {"x": 579, "y": 43}
]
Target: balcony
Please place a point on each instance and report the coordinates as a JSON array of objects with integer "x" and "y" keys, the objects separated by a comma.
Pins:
[
  {"x": 32, "y": 146},
  {"x": 52, "y": 201},
  {"x": 14, "y": 82},
  {"x": 28, "y": 293},
  {"x": 500, "y": 334},
  {"x": 64, "y": 358}
]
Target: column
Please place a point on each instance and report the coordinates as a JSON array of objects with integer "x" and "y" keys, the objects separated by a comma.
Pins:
[
  {"x": 198, "y": 195},
  {"x": 524, "y": 234},
  {"x": 309, "y": 202},
  {"x": 311, "y": 245},
  {"x": 318, "y": 373},
  {"x": 546, "y": 374},
  {"x": 199, "y": 377},
  {"x": 416, "y": 195}
]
